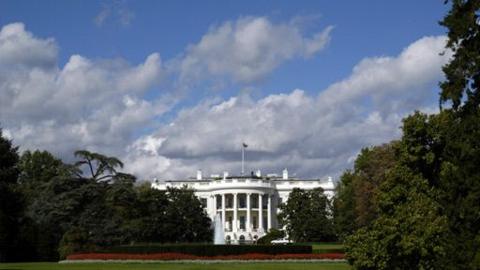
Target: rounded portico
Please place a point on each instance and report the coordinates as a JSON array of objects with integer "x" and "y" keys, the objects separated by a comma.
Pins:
[
  {"x": 247, "y": 205},
  {"x": 246, "y": 214}
]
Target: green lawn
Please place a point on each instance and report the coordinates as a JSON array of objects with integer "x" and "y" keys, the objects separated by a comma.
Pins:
[
  {"x": 330, "y": 246},
  {"x": 174, "y": 266},
  {"x": 324, "y": 247}
]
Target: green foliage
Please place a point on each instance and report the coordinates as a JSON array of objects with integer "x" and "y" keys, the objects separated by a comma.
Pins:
[
  {"x": 211, "y": 250},
  {"x": 410, "y": 233},
  {"x": 428, "y": 206},
  {"x": 306, "y": 215},
  {"x": 100, "y": 167},
  {"x": 463, "y": 72},
  {"x": 355, "y": 203},
  {"x": 271, "y": 235},
  {"x": 8, "y": 161},
  {"x": 10, "y": 201},
  {"x": 57, "y": 208},
  {"x": 435, "y": 190},
  {"x": 74, "y": 240},
  {"x": 187, "y": 221},
  {"x": 344, "y": 206}
]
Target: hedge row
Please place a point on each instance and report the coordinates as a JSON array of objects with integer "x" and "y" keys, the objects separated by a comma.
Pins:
[
  {"x": 178, "y": 256},
  {"x": 210, "y": 250}
]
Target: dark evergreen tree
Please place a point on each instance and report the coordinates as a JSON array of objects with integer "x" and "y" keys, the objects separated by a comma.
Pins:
[{"x": 10, "y": 201}]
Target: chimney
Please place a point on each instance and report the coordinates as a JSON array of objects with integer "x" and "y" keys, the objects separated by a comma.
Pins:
[
  {"x": 258, "y": 173},
  {"x": 330, "y": 179},
  {"x": 199, "y": 174},
  {"x": 285, "y": 174},
  {"x": 225, "y": 175}
]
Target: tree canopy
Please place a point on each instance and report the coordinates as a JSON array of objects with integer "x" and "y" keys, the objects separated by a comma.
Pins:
[
  {"x": 50, "y": 209},
  {"x": 428, "y": 205},
  {"x": 306, "y": 216}
]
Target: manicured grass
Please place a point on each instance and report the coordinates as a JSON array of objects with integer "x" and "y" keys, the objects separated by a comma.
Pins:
[
  {"x": 317, "y": 246},
  {"x": 174, "y": 266},
  {"x": 324, "y": 247}
]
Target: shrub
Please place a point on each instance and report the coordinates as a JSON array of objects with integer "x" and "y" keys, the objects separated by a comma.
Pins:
[
  {"x": 180, "y": 256},
  {"x": 271, "y": 235},
  {"x": 74, "y": 240},
  {"x": 210, "y": 250}
]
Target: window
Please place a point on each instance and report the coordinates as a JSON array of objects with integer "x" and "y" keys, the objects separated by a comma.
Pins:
[
  {"x": 219, "y": 201},
  {"x": 203, "y": 201},
  {"x": 242, "y": 222},
  {"x": 229, "y": 202},
  {"x": 229, "y": 224},
  {"x": 254, "y": 201},
  {"x": 242, "y": 201},
  {"x": 265, "y": 202},
  {"x": 241, "y": 240}
]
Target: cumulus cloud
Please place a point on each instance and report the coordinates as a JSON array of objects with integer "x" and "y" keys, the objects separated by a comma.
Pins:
[
  {"x": 312, "y": 135},
  {"x": 19, "y": 48},
  {"x": 398, "y": 83},
  {"x": 248, "y": 49},
  {"x": 101, "y": 105},
  {"x": 95, "y": 104}
]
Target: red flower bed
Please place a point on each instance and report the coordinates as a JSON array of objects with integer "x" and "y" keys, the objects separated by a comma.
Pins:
[{"x": 180, "y": 256}]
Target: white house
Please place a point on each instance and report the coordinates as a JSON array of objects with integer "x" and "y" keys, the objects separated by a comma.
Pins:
[{"x": 237, "y": 199}]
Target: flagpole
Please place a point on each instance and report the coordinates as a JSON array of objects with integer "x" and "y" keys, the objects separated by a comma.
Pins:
[{"x": 243, "y": 159}]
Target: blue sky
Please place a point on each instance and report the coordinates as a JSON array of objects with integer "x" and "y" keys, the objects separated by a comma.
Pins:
[{"x": 117, "y": 37}]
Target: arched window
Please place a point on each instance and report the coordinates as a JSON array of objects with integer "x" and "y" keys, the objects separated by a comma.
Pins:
[
  {"x": 228, "y": 239},
  {"x": 241, "y": 240}
]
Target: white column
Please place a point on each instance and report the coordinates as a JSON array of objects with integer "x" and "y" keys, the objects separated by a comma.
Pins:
[
  {"x": 235, "y": 210},
  {"x": 260, "y": 213},
  {"x": 223, "y": 211},
  {"x": 269, "y": 212},
  {"x": 248, "y": 226},
  {"x": 214, "y": 206}
]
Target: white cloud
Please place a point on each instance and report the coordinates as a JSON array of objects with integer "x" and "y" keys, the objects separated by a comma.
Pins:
[
  {"x": 311, "y": 135},
  {"x": 398, "y": 82},
  {"x": 91, "y": 104},
  {"x": 248, "y": 49},
  {"x": 19, "y": 48},
  {"x": 100, "y": 104}
]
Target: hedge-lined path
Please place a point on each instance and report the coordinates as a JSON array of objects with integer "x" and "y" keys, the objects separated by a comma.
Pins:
[{"x": 285, "y": 265}]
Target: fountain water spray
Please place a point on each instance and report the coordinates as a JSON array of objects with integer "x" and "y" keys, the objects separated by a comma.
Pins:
[{"x": 218, "y": 232}]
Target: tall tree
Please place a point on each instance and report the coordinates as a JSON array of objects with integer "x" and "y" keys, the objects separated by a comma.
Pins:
[
  {"x": 463, "y": 71},
  {"x": 344, "y": 206},
  {"x": 38, "y": 170},
  {"x": 306, "y": 216},
  {"x": 355, "y": 203},
  {"x": 98, "y": 167},
  {"x": 187, "y": 220},
  {"x": 151, "y": 222},
  {"x": 459, "y": 174},
  {"x": 442, "y": 152},
  {"x": 10, "y": 203},
  {"x": 410, "y": 231}
]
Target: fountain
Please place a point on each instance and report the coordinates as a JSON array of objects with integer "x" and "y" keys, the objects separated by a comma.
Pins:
[{"x": 218, "y": 232}]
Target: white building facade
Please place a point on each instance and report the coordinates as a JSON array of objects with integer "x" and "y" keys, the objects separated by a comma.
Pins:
[{"x": 247, "y": 205}]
